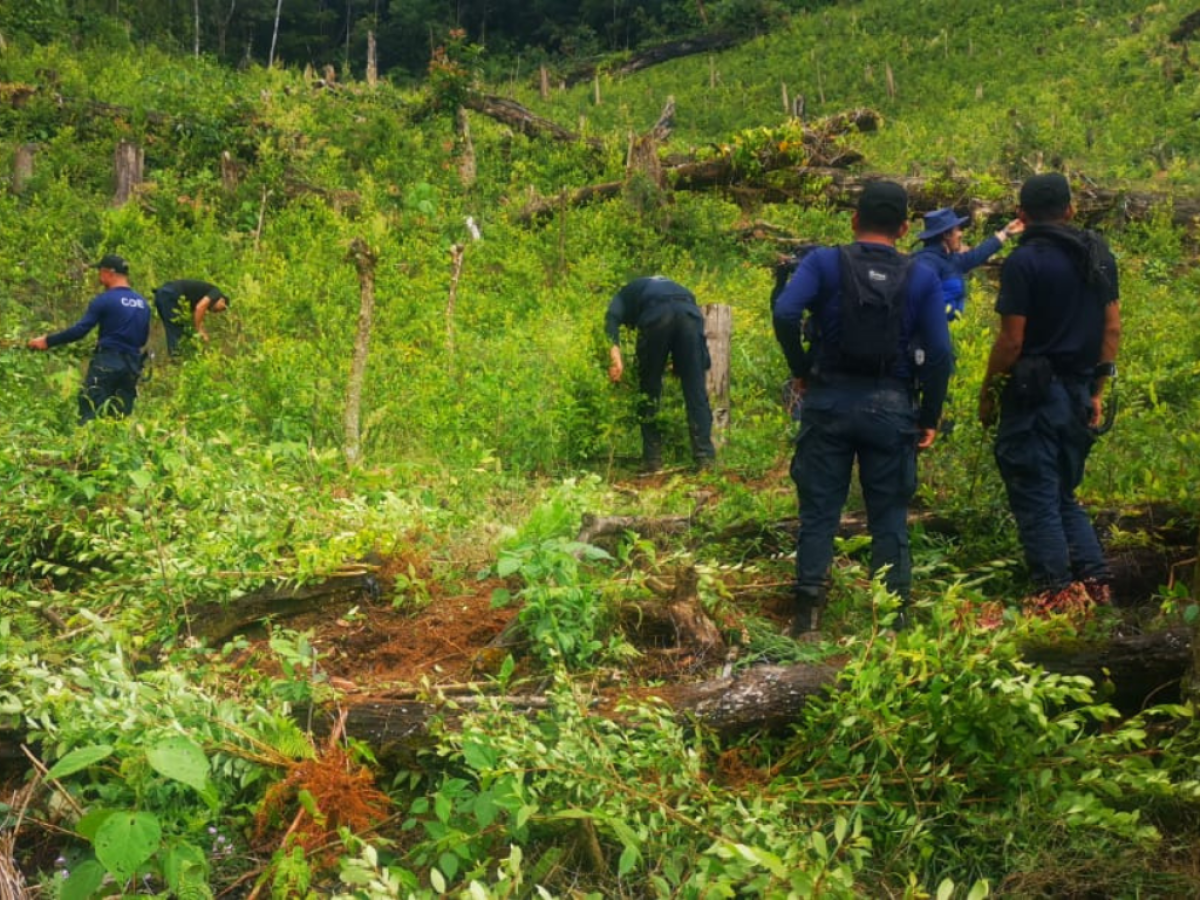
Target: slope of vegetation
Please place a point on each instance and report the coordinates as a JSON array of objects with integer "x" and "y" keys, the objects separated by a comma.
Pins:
[{"x": 944, "y": 764}]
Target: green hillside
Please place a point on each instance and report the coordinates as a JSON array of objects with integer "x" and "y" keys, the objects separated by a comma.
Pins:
[{"x": 487, "y": 431}]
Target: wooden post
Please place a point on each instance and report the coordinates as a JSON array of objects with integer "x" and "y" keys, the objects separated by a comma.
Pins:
[
  {"x": 22, "y": 168},
  {"x": 596, "y": 88},
  {"x": 364, "y": 260},
  {"x": 787, "y": 106},
  {"x": 372, "y": 60},
  {"x": 457, "y": 255},
  {"x": 544, "y": 83},
  {"x": 891, "y": 80},
  {"x": 229, "y": 172},
  {"x": 718, "y": 331},
  {"x": 129, "y": 160}
]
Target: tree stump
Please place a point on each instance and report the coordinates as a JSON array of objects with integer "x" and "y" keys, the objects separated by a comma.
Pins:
[
  {"x": 22, "y": 168},
  {"x": 129, "y": 160},
  {"x": 718, "y": 331}
]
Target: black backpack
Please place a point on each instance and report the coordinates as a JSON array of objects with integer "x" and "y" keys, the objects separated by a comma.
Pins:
[{"x": 873, "y": 300}]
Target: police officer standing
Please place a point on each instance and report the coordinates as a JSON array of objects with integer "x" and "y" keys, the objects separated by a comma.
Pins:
[
  {"x": 123, "y": 315},
  {"x": 864, "y": 397},
  {"x": 1060, "y": 328},
  {"x": 669, "y": 325}
]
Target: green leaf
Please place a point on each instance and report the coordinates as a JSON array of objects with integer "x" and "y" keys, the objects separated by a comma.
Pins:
[
  {"x": 979, "y": 890},
  {"x": 479, "y": 757},
  {"x": 945, "y": 890},
  {"x": 186, "y": 870},
  {"x": 629, "y": 860},
  {"x": 126, "y": 840},
  {"x": 141, "y": 479},
  {"x": 79, "y": 759},
  {"x": 181, "y": 759},
  {"x": 83, "y": 882},
  {"x": 448, "y": 863},
  {"x": 437, "y": 881}
]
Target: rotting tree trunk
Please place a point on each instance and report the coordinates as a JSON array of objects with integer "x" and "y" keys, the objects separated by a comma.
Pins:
[
  {"x": 1130, "y": 672},
  {"x": 718, "y": 332},
  {"x": 216, "y": 623},
  {"x": 1136, "y": 670},
  {"x": 661, "y": 53},
  {"x": 364, "y": 260},
  {"x": 128, "y": 160}
]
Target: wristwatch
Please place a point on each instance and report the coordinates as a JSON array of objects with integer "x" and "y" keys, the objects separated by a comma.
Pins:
[{"x": 1105, "y": 370}]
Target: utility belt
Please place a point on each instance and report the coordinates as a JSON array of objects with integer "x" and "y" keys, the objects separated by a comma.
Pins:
[
  {"x": 1030, "y": 379},
  {"x": 820, "y": 378}
]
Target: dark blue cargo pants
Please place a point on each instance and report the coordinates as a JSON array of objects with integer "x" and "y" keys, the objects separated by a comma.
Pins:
[
  {"x": 875, "y": 422},
  {"x": 1041, "y": 451}
]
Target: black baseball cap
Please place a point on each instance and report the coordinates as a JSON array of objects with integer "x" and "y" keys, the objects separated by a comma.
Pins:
[
  {"x": 883, "y": 204},
  {"x": 1045, "y": 194},
  {"x": 114, "y": 262}
]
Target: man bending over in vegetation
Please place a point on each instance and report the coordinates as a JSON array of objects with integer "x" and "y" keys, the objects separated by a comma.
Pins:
[
  {"x": 669, "y": 324},
  {"x": 201, "y": 298},
  {"x": 1060, "y": 327},
  {"x": 864, "y": 396},
  {"x": 123, "y": 315}
]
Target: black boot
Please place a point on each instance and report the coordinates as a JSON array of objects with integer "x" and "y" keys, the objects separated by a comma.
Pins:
[{"x": 807, "y": 618}]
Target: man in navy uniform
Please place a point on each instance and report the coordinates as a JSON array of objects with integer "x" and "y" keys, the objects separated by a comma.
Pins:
[
  {"x": 864, "y": 396},
  {"x": 1060, "y": 328},
  {"x": 669, "y": 324},
  {"x": 123, "y": 316},
  {"x": 201, "y": 298}
]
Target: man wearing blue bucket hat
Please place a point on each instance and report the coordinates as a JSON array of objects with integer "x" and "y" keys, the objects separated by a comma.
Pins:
[{"x": 943, "y": 252}]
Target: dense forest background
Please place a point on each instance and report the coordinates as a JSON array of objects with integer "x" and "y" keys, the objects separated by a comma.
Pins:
[
  {"x": 367, "y": 598},
  {"x": 320, "y": 33}
]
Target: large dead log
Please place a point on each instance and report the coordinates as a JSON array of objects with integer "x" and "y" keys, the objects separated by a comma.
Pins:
[
  {"x": 523, "y": 120},
  {"x": 658, "y": 54},
  {"x": 1131, "y": 672},
  {"x": 215, "y": 623},
  {"x": 830, "y": 185}
]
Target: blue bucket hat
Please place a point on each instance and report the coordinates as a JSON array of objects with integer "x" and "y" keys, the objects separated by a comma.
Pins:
[{"x": 940, "y": 221}]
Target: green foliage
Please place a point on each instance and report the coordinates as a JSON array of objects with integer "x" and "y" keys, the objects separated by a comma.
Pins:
[{"x": 943, "y": 766}]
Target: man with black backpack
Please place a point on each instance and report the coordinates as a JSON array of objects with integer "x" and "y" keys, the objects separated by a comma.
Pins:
[
  {"x": 866, "y": 396},
  {"x": 1060, "y": 328}
]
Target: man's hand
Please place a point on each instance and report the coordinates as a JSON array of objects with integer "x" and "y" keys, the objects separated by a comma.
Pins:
[
  {"x": 204, "y": 336},
  {"x": 38, "y": 343},
  {"x": 616, "y": 365},
  {"x": 926, "y": 437},
  {"x": 1097, "y": 412},
  {"x": 987, "y": 408}
]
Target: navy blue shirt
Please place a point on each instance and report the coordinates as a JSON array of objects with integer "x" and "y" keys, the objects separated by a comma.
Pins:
[
  {"x": 124, "y": 319},
  {"x": 952, "y": 267},
  {"x": 816, "y": 288},
  {"x": 644, "y": 300},
  {"x": 1045, "y": 280}
]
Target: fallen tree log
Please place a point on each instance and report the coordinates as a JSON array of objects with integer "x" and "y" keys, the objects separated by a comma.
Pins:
[
  {"x": 824, "y": 154},
  {"x": 656, "y": 55},
  {"x": 1130, "y": 672},
  {"x": 524, "y": 120},
  {"x": 216, "y": 623},
  {"x": 831, "y": 185}
]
